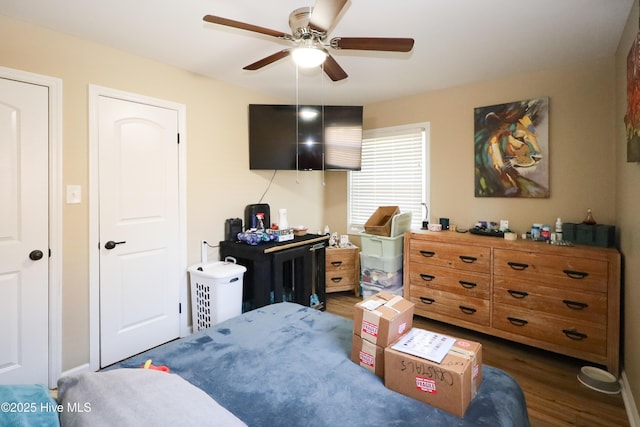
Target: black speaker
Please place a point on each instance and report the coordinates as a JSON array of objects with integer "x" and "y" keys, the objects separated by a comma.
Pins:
[{"x": 232, "y": 227}]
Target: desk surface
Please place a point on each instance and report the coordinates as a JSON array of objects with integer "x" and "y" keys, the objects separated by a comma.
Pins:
[
  {"x": 269, "y": 247},
  {"x": 307, "y": 239}
]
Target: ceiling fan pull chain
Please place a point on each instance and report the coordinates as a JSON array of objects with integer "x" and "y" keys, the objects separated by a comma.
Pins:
[
  {"x": 297, "y": 120},
  {"x": 323, "y": 129}
]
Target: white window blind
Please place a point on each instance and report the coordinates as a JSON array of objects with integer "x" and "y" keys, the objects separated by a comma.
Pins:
[{"x": 394, "y": 163}]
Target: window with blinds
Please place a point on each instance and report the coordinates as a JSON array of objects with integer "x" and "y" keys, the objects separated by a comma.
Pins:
[{"x": 394, "y": 173}]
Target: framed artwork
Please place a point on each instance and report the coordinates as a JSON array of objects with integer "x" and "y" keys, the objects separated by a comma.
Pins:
[
  {"x": 512, "y": 149},
  {"x": 632, "y": 117}
]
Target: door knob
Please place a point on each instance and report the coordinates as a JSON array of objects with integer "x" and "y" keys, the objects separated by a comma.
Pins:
[
  {"x": 36, "y": 255},
  {"x": 111, "y": 244}
]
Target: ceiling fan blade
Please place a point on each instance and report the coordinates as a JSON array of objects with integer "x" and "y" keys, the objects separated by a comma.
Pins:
[
  {"x": 244, "y": 26},
  {"x": 373, "y": 43},
  {"x": 324, "y": 14},
  {"x": 333, "y": 69},
  {"x": 267, "y": 60}
]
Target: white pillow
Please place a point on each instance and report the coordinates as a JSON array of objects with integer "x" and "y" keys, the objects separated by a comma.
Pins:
[{"x": 137, "y": 397}]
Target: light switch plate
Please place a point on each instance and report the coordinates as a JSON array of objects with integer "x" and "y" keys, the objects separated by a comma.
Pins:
[{"x": 74, "y": 194}]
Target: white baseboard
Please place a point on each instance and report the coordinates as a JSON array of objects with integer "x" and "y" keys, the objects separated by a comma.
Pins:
[{"x": 629, "y": 403}]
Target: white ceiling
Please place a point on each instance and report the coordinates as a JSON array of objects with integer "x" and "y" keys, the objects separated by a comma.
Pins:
[{"x": 456, "y": 41}]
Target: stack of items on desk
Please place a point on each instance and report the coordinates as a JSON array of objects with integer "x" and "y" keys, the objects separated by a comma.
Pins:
[
  {"x": 437, "y": 369},
  {"x": 382, "y": 247}
]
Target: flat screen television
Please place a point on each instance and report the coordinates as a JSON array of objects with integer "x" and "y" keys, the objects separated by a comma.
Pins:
[{"x": 305, "y": 137}]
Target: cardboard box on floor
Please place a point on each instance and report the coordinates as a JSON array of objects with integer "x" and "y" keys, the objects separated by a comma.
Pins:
[
  {"x": 449, "y": 385},
  {"x": 368, "y": 355},
  {"x": 382, "y": 318}
]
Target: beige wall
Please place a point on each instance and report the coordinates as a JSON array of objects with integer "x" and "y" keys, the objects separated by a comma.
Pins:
[
  {"x": 219, "y": 182},
  {"x": 582, "y": 150},
  {"x": 627, "y": 208}
]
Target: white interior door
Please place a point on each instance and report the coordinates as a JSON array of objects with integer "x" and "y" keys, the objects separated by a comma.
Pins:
[
  {"x": 139, "y": 227},
  {"x": 24, "y": 241}
]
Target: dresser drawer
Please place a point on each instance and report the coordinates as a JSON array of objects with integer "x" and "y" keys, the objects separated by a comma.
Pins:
[
  {"x": 464, "y": 257},
  {"x": 470, "y": 309},
  {"x": 559, "y": 331},
  {"x": 450, "y": 280},
  {"x": 569, "y": 303},
  {"x": 564, "y": 271},
  {"x": 340, "y": 278},
  {"x": 337, "y": 260}
]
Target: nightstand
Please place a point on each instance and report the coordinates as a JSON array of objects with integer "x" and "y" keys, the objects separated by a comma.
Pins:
[{"x": 342, "y": 269}]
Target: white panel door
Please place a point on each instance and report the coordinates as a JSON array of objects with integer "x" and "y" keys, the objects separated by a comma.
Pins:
[
  {"x": 139, "y": 227},
  {"x": 24, "y": 223}
]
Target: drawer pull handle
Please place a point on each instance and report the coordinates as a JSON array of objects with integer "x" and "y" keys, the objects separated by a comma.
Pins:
[
  {"x": 336, "y": 279},
  {"x": 468, "y": 259},
  {"x": 517, "y": 322},
  {"x": 574, "y": 335},
  {"x": 427, "y": 254},
  {"x": 518, "y": 294},
  {"x": 467, "y": 310},
  {"x": 468, "y": 285},
  {"x": 575, "y": 304},
  {"x": 575, "y": 274},
  {"x": 517, "y": 265},
  {"x": 336, "y": 263},
  {"x": 427, "y": 300},
  {"x": 427, "y": 277}
]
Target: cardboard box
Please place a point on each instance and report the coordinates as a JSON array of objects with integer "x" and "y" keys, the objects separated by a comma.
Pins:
[
  {"x": 382, "y": 318},
  {"x": 368, "y": 355},
  {"x": 449, "y": 385},
  {"x": 380, "y": 222},
  {"x": 282, "y": 235}
]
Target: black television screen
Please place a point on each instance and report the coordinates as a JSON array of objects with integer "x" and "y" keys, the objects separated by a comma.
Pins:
[{"x": 305, "y": 137}]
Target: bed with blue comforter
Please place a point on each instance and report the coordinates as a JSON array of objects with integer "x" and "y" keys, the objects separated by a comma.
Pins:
[{"x": 289, "y": 365}]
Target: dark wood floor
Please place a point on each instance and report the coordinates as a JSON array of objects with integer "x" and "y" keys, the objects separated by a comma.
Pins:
[{"x": 554, "y": 395}]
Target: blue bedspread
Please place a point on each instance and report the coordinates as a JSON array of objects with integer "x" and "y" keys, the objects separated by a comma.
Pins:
[{"x": 289, "y": 365}]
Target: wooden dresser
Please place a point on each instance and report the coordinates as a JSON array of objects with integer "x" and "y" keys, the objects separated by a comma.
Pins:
[
  {"x": 564, "y": 299},
  {"x": 342, "y": 269}
]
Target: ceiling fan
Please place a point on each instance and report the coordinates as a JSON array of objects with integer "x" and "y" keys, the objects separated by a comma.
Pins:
[{"x": 309, "y": 28}]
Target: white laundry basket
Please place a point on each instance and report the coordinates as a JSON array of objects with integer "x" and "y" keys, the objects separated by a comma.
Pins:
[{"x": 216, "y": 292}]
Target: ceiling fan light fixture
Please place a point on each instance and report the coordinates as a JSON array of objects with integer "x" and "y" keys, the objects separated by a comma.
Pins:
[{"x": 308, "y": 56}]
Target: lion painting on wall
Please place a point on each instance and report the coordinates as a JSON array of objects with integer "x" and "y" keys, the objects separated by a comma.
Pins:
[
  {"x": 511, "y": 149},
  {"x": 632, "y": 117}
]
